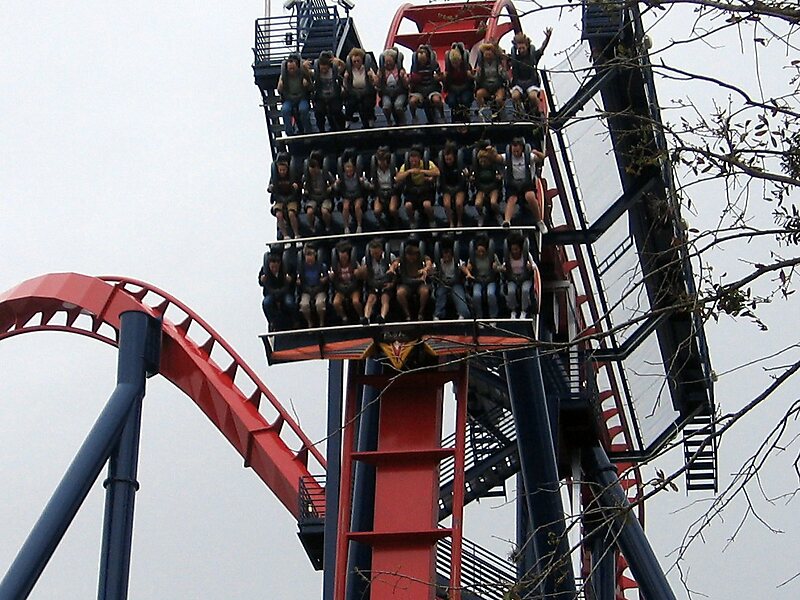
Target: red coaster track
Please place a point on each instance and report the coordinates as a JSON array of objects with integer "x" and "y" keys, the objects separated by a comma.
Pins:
[{"x": 54, "y": 303}]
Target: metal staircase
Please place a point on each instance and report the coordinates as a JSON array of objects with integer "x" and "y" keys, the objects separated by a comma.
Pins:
[
  {"x": 484, "y": 575},
  {"x": 488, "y": 464},
  {"x": 700, "y": 453}
]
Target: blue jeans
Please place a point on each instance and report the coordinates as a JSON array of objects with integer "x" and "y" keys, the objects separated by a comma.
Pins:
[
  {"x": 524, "y": 290},
  {"x": 478, "y": 291},
  {"x": 457, "y": 293},
  {"x": 462, "y": 98},
  {"x": 301, "y": 107},
  {"x": 279, "y": 310}
]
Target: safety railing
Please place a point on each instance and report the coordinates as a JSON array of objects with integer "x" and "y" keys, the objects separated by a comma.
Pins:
[
  {"x": 276, "y": 39},
  {"x": 483, "y": 574},
  {"x": 501, "y": 429},
  {"x": 311, "y": 498}
]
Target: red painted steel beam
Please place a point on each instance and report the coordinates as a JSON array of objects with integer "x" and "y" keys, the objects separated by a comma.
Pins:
[{"x": 34, "y": 304}]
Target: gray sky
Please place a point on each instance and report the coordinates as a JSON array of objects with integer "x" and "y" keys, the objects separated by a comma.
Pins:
[{"x": 133, "y": 144}]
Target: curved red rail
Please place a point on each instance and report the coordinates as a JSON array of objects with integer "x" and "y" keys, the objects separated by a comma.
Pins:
[
  {"x": 439, "y": 25},
  {"x": 40, "y": 304}
]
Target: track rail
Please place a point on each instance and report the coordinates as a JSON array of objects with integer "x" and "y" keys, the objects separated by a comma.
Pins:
[{"x": 56, "y": 302}]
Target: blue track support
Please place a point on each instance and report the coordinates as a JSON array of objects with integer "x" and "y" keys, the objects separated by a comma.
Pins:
[
  {"x": 333, "y": 472},
  {"x": 364, "y": 487},
  {"x": 135, "y": 360},
  {"x": 540, "y": 473},
  {"x": 603, "y": 577},
  {"x": 526, "y": 550},
  {"x": 121, "y": 487},
  {"x": 624, "y": 525}
]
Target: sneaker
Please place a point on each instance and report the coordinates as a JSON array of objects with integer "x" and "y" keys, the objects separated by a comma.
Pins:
[
  {"x": 379, "y": 320},
  {"x": 514, "y": 314},
  {"x": 523, "y": 315},
  {"x": 506, "y": 224},
  {"x": 542, "y": 227},
  {"x": 359, "y": 229},
  {"x": 364, "y": 321},
  {"x": 461, "y": 317},
  {"x": 436, "y": 318},
  {"x": 347, "y": 231}
]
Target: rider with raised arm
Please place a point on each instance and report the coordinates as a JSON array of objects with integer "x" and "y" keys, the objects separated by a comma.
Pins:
[{"x": 526, "y": 85}]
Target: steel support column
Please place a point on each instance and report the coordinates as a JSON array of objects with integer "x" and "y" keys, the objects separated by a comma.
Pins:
[
  {"x": 540, "y": 473},
  {"x": 333, "y": 472},
  {"x": 121, "y": 487},
  {"x": 526, "y": 550},
  {"x": 364, "y": 486},
  {"x": 137, "y": 356},
  {"x": 602, "y": 579},
  {"x": 624, "y": 525}
]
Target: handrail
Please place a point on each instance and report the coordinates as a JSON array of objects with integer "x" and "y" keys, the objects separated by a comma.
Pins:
[
  {"x": 482, "y": 573},
  {"x": 504, "y": 427}
]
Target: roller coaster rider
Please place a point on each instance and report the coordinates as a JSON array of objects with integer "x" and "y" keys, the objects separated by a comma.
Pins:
[
  {"x": 360, "y": 80},
  {"x": 491, "y": 80},
  {"x": 458, "y": 80},
  {"x": 526, "y": 86},
  {"x": 518, "y": 271},
  {"x": 417, "y": 178},
  {"x": 376, "y": 270},
  {"x": 279, "y": 303},
  {"x": 449, "y": 283},
  {"x": 328, "y": 91},
  {"x": 318, "y": 186},
  {"x": 284, "y": 195},
  {"x": 347, "y": 288},
  {"x": 424, "y": 86},
  {"x": 520, "y": 182},
  {"x": 413, "y": 270},
  {"x": 294, "y": 87},
  {"x": 452, "y": 184},
  {"x": 393, "y": 86},
  {"x": 384, "y": 190},
  {"x": 312, "y": 278}
]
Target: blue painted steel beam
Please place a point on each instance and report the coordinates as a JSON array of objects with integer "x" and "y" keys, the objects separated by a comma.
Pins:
[
  {"x": 602, "y": 579},
  {"x": 332, "y": 474},
  {"x": 360, "y": 555},
  {"x": 624, "y": 526},
  {"x": 526, "y": 550},
  {"x": 121, "y": 487},
  {"x": 540, "y": 472},
  {"x": 135, "y": 359}
]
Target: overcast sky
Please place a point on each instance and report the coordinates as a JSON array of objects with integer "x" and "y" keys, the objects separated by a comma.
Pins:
[{"x": 132, "y": 143}]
